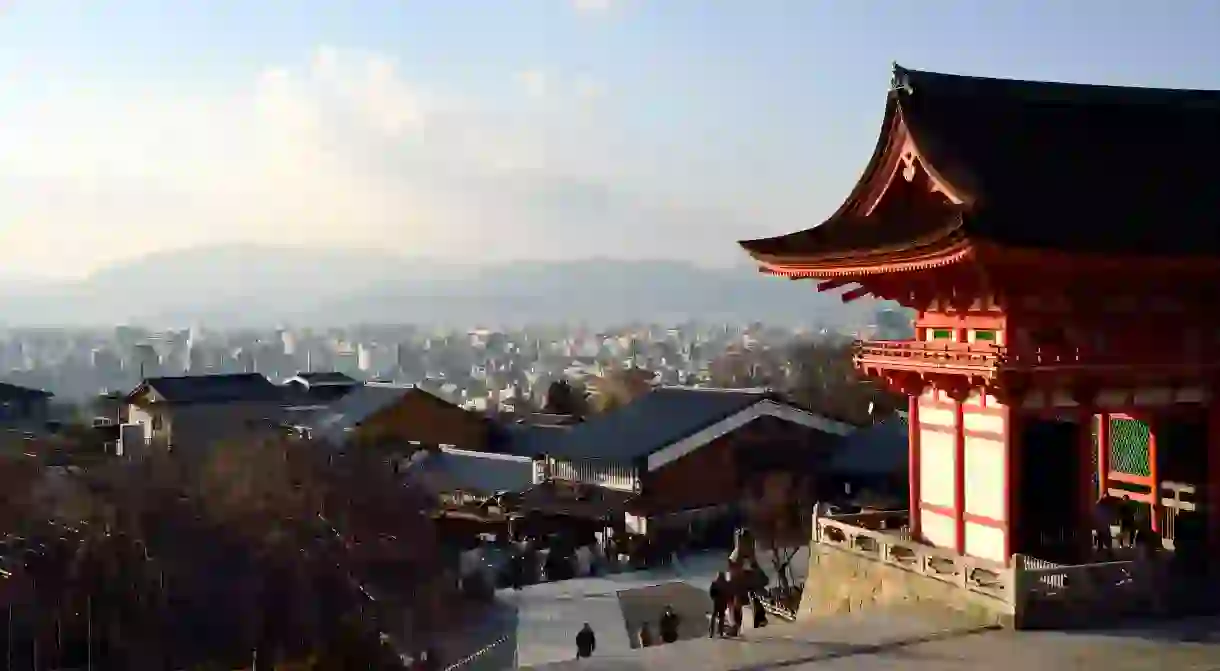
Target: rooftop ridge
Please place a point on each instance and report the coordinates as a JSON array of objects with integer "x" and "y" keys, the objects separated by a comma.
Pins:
[{"x": 458, "y": 452}]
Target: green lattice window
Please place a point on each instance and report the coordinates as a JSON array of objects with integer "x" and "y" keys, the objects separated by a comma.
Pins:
[
  {"x": 1129, "y": 446},
  {"x": 942, "y": 334},
  {"x": 984, "y": 335}
]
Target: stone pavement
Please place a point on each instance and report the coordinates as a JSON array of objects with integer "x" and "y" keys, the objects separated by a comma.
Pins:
[
  {"x": 888, "y": 640},
  {"x": 548, "y": 615}
]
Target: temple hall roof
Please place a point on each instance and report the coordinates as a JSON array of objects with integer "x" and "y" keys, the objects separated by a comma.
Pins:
[{"x": 1031, "y": 165}]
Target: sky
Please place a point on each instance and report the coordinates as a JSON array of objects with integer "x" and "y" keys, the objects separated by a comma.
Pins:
[{"x": 489, "y": 130}]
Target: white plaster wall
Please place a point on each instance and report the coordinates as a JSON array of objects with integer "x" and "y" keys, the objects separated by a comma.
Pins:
[
  {"x": 938, "y": 530},
  {"x": 936, "y": 416},
  {"x": 985, "y": 542},
  {"x": 137, "y": 415},
  {"x": 984, "y": 473},
  {"x": 936, "y": 464},
  {"x": 977, "y": 421}
]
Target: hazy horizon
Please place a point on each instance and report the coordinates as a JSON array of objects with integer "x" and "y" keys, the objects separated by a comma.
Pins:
[{"x": 532, "y": 130}]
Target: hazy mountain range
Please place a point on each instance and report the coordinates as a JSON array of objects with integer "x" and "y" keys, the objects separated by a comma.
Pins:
[{"x": 261, "y": 286}]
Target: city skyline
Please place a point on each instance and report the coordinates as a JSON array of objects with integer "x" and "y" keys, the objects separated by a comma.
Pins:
[{"x": 541, "y": 130}]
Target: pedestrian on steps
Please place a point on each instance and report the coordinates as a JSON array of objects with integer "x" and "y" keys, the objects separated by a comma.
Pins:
[
  {"x": 586, "y": 642},
  {"x": 669, "y": 625},
  {"x": 719, "y": 591}
]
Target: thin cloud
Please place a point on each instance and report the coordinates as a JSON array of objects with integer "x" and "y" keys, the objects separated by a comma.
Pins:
[
  {"x": 534, "y": 82},
  {"x": 591, "y": 6},
  {"x": 336, "y": 149}
]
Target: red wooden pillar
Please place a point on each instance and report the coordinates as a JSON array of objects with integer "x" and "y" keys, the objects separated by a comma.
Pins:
[
  {"x": 1213, "y": 474},
  {"x": 1012, "y": 480},
  {"x": 1103, "y": 454},
  {"x": 959, "y": 473},
  {"x": 1154, "y": 477},
  {"x": 1086, "y": 499},
  {"x": 913, "y": 470}
]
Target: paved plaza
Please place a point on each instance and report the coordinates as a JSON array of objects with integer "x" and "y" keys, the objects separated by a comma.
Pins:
[
  {"x": 540, "y": 623},
  {"x": 889, "y": 641}
]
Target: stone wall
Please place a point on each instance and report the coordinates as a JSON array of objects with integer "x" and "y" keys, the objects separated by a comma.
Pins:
[{"x": 839, "y": 582}]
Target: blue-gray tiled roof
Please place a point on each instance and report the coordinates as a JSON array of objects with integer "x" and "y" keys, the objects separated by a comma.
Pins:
[
  {"x": 482, "y": 473},
  {"x": 877, "y": 450},
  {"x": 215, "y": 388},
  {"x": 649, "y": 423}
]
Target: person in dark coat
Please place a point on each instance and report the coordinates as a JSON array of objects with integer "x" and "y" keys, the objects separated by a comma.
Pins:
[
  {"x": 669, "y": 625},
  {"x": 1127, "y": 512},
  {"x": 719, "y": 591},
  {"x": 758, "y": 580},
  {"x": 586, "y": 641}
]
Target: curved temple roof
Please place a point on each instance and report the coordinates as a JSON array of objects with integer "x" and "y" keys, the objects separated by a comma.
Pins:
[{"x": 1031, "y": 165}]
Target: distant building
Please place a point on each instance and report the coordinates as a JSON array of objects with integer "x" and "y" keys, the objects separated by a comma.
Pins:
[
  {"x": 21, "y": 405},
  {"x": 196, "y": 412}
]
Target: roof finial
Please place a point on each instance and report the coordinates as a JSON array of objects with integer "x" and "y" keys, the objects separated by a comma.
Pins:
[{"x": 900, "y": 81}]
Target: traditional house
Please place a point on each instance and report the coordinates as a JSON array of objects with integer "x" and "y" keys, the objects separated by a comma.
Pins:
[
  {"x": 22, "y": 405},
  {"x": 196, "y": 412},
  {"x": 679, "y": 449},
  {"x": 404, "y": 416}
]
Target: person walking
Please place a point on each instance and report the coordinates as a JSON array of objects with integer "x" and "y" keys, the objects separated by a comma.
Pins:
[
  {"x": 645, "y": 636},
  {"x": 1103, "y": 519},
  {"x": 758, "y": 584},
  {"x": 586, "y": 642},
  {"x": 669, "y": 625},
  {"x": 738, "y": 591},
  {"x": 1127, "y": 511},
  {"x": 719, "y": 591}
]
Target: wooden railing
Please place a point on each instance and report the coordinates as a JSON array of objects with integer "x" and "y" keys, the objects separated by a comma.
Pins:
[
  {"x": 968, "y": 356},
  {"x": 989, "y": 356},
  {"x": 977, "y": 576}
]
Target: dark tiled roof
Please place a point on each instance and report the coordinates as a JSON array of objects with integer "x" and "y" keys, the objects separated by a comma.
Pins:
[
  {"x": 359, "y": 404},
  {"x": 1068, "y": 167},
  {"x": 647, "y": 424},
  {"x": 878, "y": 450},
  {"x": 250, "y": 387},
  {"x": 481, "y": 473},
  {"x": 325, "y": 379},
  {"x": 595, "y": 502},
  {"x": 13, "y": 391}
]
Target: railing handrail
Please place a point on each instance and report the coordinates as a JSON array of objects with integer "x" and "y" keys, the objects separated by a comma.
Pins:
[
  {"x": 980, "y": 576},
  {"x": 478, "y": 653},
  {"x": 1017, "y": 355},
  {"x": 1026, "y": 586}
]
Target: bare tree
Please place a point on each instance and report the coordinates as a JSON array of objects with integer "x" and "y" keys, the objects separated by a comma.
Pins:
[
  {"x": 825, "y": 379},
  {"x": 617, "y": 388},
  {"x": 564, "y": 398},
  {"x": 778, "y": 513}
]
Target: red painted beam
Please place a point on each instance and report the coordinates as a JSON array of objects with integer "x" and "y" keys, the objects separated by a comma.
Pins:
[
  {"x": 1103, "y": 454},
  {"x": 831, "y": 285},
  {"x": 1155, "y": 477},
  {"x": 854, "y": 294}
]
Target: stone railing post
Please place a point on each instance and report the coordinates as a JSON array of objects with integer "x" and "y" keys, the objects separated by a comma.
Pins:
[{"x": 1018, "y": 590}]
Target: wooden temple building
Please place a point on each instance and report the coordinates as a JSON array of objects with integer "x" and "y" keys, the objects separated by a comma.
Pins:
[{"x": 1060, "y": 249}]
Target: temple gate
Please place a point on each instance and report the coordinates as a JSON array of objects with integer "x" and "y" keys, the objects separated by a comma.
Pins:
[{"x": 1056, "y": 244}]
